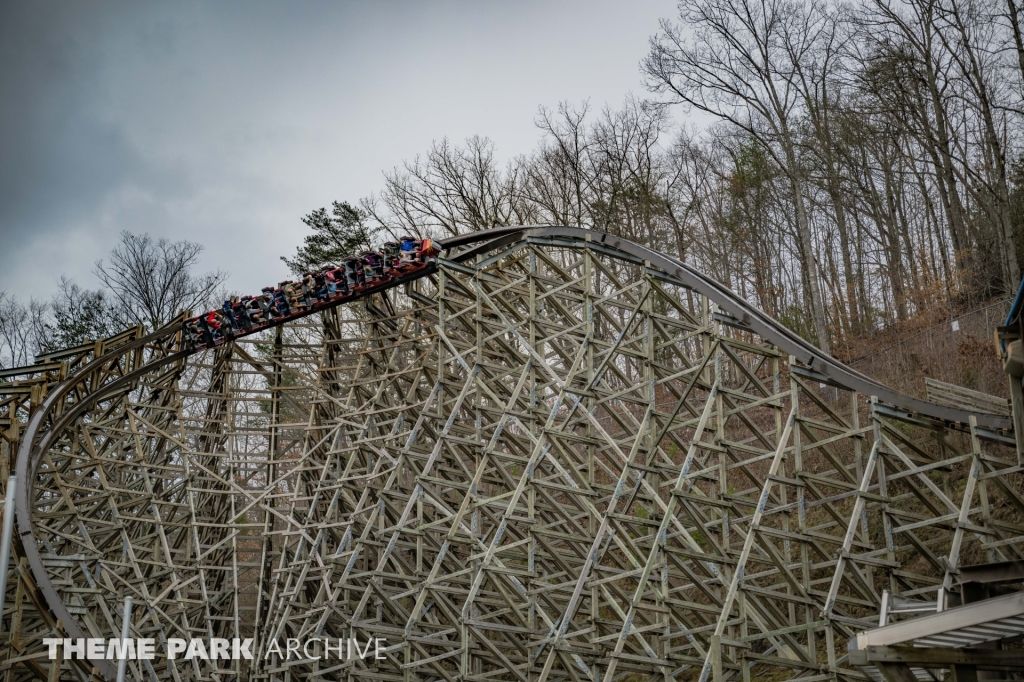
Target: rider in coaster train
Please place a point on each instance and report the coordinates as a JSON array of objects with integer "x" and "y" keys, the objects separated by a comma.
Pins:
[
  {"x": 390, "y": 250},
  {"x": 192, "y": 333},
  {"x": 281, "y": 304},
  {"x": 408, "y": 250},
  {"x": 203, "y": 331},
  {"x": 335, "y": 277},
  {"x": 308, "y": 286},
  {"x": 253, "y": 311},
  {"x": 353, "y": 272},
  {"x": 319, "y": 285},
  {"x": 373, "y": 266},
  {"x": 225, "y": 310},
  {"x": 414, "y": 251},
  {"x": 242, "y": 315},
  {"x": 293, "y": 292},
  {"x": 213, "y": 324},
  {"x": 266, "y": 303}
]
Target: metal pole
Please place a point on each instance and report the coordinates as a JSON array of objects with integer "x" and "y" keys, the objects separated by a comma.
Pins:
[
  {"x": 126, "y": 623},
  {"x": 5, "y": 550}
]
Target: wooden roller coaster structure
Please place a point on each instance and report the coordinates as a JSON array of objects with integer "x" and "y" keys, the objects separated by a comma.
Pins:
[{"x": 552, "y": 455}]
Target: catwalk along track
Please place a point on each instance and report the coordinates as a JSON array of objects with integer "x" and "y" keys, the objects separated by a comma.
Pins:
[{"x": 551, "y": 455}]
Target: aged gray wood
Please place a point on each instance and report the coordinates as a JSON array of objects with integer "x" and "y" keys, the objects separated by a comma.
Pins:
[{"x": 550, "y": 459}]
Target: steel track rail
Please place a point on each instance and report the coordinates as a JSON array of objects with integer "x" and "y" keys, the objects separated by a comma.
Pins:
[
  {"x": 30, "y": 453},
  {"x": 36, "y": 441},
  {"x": 747, "y": 315}
]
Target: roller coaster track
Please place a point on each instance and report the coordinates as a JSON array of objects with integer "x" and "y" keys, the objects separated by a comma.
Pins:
[{"x": 555, "y": 455}]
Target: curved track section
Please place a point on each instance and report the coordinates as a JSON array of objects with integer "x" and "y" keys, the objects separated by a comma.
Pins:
[
  {"x": 743, "y": 314},
  {"x": 559, "y": 456}
]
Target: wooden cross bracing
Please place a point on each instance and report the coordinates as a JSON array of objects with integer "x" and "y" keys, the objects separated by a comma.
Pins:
[{"x": 541, "y": 463}]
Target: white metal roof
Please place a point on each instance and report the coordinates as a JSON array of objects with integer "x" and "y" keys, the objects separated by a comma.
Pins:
[{"x": 961, "y": 626}]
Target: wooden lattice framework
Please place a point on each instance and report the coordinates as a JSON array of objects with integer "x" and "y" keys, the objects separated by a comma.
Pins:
[{"x": 549, "y": 459}]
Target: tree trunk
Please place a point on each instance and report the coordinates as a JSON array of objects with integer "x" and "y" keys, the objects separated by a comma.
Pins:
[
  {"x": 1015, "y": 23},
  {"x": 806, "y": 249}
]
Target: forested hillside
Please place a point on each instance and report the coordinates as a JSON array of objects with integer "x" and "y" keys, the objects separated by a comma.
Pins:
[
  {"x": 863, "y": 165},
  {"x": 855, "y": 170}
]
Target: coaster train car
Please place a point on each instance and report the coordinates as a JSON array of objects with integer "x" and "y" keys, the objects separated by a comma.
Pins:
[{"x": 331, "y": 284}]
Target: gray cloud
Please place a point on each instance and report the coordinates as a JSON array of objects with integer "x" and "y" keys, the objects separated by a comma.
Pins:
[{"x": 224, "y": 122}]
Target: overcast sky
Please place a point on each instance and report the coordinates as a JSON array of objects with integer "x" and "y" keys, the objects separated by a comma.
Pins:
[{"x": 225, "y": 122}]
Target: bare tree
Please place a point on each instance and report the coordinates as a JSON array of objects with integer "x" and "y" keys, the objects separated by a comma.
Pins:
[
  {"x": 151, "y": 281},
  {"x": 968, "y": 33},
  {"x": 451, "y": 191},
  {"x": 629, "y": 172},
  {"x": 79, "y": 315},
  {"x": 1018, "y": 42},
  {"x": 739, "y": 66},
  {"x": 558, "y": 178},
  {"x": 866, "y": 167},
  {"x": 22, "y": 330}
]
